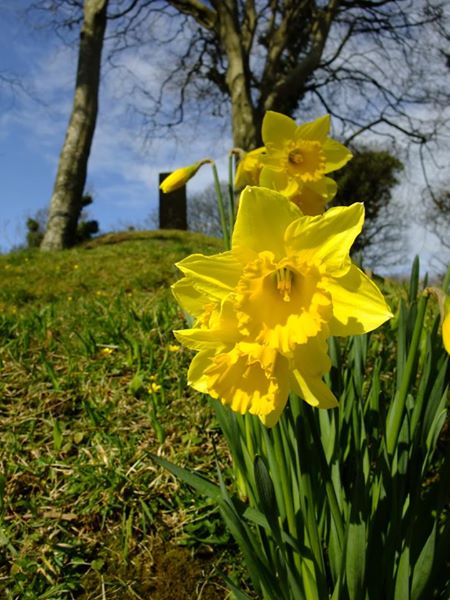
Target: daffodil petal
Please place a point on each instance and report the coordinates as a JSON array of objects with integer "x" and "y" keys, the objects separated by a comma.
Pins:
[
  {"x": 215, "y": 276},
  {"x": 326, "y": 187},
  {"x": 199, "y": 339},
  {"x": 216, "y": 327},
  {"x": 262, "y": 218},
  {"x": 327, "y": 238},
  {"x": 273, "y": 417},
  {"x": 248, "y": 169},
  {"x": 358, "y": 305},
  {"x": 278, "y": 181},
  {"x": 312, "y": 358},
  {"x": 307, "y": 367},
  {"x": 188, "y": 297},
  {"x": 196, "y": 374},
  {"x": 249, "y": 378},
  {"x": 313, "y": 390},
  {"x": 276, "y": 128},
  {"x": 313, "y": 196},
  {"x": 336, "y": 155},
  {"x": 314, "y": 130}
]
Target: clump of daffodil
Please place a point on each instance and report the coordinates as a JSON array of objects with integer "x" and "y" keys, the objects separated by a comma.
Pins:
[
  {"x": 264, "y": 309},
  {"x": 181, "y": 176}
]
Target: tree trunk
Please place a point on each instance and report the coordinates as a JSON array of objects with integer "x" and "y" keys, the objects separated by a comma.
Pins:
[
  {"x": 245, "y": 134},
  {"x": 66, "y": 201}
]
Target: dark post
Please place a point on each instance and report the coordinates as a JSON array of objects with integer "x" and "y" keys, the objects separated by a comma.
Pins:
[{"x": 172, "y": 207}]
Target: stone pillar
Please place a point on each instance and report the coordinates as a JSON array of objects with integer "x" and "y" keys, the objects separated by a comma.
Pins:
[{"x": 172, "y": 207}]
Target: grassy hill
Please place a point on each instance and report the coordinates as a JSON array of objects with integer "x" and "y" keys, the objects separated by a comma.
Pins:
[{"x": 92, "y": 381}]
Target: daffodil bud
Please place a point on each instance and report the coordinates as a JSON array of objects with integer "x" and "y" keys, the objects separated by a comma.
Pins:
[{"x": 181, "y": 176}]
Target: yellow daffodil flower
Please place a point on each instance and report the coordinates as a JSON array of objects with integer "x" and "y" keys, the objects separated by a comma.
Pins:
[
  {"x": 181, "y": 176},
  {"x": 265, "y": 308},
  {"x": 446, "y": 325},
  {"x": 444, "y": 309},
  {"x": 304, "y": 153},
  {"x": 249, "y": 168}
]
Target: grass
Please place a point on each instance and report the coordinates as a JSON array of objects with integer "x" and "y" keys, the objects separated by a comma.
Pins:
[{"x": 92, "y": 381}]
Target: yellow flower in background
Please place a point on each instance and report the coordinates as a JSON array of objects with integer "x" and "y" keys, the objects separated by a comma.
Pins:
[
  {"x": 265, "y": 308},
  {"x": 304, "y": 153},
  {"x": 173, "y": 347},
  {"x": 181, "y": 176},
  {"x": 106, "y": 351},
  {"x": 446, "y": 325},
  {"x": 249, "y": 168},
  {"x": 154, "y": 387},
  {"x": 444, "y": 309}
]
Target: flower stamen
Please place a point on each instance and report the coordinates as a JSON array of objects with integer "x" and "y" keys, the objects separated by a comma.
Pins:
[
  {"x": 295, "y": 156},
  {"x": 284, "y": 283}
]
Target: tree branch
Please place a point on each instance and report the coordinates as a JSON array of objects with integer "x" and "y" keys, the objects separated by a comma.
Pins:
[{"x": 197, "y": 10}]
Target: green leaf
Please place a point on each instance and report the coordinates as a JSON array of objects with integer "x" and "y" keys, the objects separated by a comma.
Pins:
[
  {"x": 237, "y": 593},
  {"x": 261, "y": 575},
  {"x": 266, "y": 496},
  {"x": 57, "y": 435},
  {"x": 435, "y": 430},
  {"x": 401, "y": 591},
  {"x": 355, "y": 564},
  {"x": 424, "y": 566},
  {"x": 200, "y": 483},
  {"x": 433, "y": 436},
  {"x": 414, "y": 280},
  {"x": 397, "y": 412}
]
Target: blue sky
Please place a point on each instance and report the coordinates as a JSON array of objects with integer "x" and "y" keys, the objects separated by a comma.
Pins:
[{"x": 123, "y": 170}]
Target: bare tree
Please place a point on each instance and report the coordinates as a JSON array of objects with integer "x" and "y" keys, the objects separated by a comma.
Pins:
[
  {"x": 66, "y": 204},
  {"x": 67, "y": 198},
  {"x": 372, "y": 64},
  {"x": 371, "y": 177},
  {"x": 203, "y": 212},
  {"x": 436, "y": 219}
]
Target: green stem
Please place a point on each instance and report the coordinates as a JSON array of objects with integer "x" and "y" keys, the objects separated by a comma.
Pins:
[
  {"x": 231, "y": 207},
  {"x": 286, "y": 485},
  {"x": 220, "y": 205},
  {"x": 307, "y": 500}
]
